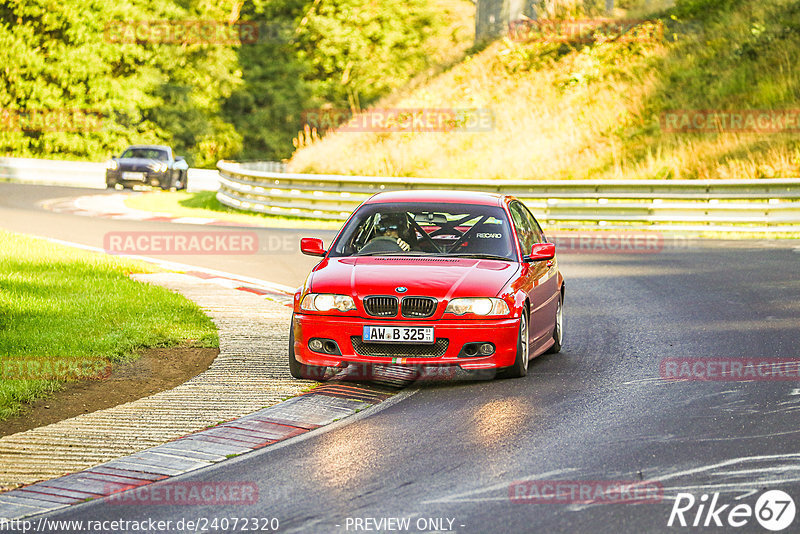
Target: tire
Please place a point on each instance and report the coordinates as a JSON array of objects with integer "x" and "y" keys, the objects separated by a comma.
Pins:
[
  {"x": 520, "y": 367},
  {"x": 301, "y": 370},
  {"x": 184, "y": 180},
  {"x": 179, "y": 183},
  {"x": 558, "y": 330}
]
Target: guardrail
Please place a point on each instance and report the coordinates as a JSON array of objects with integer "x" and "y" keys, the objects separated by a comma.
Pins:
[
  {"x": 768, "y": 205},
  {"x": 82, "y": 174}
]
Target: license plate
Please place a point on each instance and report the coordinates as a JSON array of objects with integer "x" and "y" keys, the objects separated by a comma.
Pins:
[
  {"x": 398, "y": 334},
  {"x": 133, "y": 175}
]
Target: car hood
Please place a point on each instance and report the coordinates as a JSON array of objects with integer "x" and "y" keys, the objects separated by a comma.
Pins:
[{"x": 442, "y": 278}]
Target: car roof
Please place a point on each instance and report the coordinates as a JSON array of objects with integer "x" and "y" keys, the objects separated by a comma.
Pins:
[
  {"x": 157, "y": 147},
  {"x": 440, "y": 195}
]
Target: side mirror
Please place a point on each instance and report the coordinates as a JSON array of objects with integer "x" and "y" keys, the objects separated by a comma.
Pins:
[
  {"x": 540, "y": 252},
  {"x": 179, "y": 158},
  {"x": 312, "y": 246}
]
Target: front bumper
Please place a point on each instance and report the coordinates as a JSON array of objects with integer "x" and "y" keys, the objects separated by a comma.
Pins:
[
  {"x": 503, "y": 333},
  {"x": 153, "y": 178}
]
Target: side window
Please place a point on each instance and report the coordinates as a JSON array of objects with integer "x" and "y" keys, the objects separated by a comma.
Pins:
[
  {"x": 522, "y": 223},
  {"x": 537, "y": 230}
]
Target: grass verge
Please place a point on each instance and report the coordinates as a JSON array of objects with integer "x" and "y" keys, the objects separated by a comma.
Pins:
[
  {"x": 59, "y": 304},
  {"x": 204, "y": 204},
  {"x": 593, "y": 107}
]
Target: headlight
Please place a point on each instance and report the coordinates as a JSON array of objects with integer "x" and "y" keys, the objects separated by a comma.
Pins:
[
  {"x": 161, "y": 167},
  {"x": 112, "y": 165},
  {"x": 326, "y": 302},
  {"x": 478, "y": 306}
]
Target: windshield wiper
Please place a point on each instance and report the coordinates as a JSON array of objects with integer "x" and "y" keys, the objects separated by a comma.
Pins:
[
  {"x": 477, "y": 255},
  {"x": 389, "y": 253}
]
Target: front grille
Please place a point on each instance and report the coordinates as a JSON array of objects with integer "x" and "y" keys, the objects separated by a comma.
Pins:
[
  {"x": 381, "y": 306},
  {"x": 418, "y": 307},
  {"x": 388, "y": 350},
  {"x": 135, "y": 168}
]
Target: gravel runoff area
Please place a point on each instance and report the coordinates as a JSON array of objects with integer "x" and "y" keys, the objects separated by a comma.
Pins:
[{"x": 249, "y": 374}]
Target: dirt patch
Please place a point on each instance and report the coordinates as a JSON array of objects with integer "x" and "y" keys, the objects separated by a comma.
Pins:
[{"x": 155, "y": 370}]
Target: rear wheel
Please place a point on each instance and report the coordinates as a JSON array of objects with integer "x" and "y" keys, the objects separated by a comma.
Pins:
[
  {"x": 558, "y": 330},
  {"x": 520, "y": 367},
  {"x": 301, "y": 370}
]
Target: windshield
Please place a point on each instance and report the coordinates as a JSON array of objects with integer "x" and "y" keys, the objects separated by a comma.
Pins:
[
  {"x": 146, "y": 153},
  {"x": 455, "y": 230}
]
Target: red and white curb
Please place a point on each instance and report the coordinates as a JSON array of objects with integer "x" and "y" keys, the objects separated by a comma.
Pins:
[
  {"x": 276, "y": 292},
  {"x": 294, "y": 417},
  {"x": 113, "y": 207}
]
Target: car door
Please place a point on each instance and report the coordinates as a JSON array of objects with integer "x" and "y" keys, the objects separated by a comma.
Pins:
[{"x": 541, "y": 283}]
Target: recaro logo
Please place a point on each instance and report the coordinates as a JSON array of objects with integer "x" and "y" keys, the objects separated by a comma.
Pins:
[
  {"x": 489, "y": 236},
  {"x": 774, "y": 510}
]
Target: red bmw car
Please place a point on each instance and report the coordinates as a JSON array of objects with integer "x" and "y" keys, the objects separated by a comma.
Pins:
[{"x": 427, "y": 278}]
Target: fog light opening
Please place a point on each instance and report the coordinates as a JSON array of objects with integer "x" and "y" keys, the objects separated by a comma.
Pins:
[
  {"x": 330, "y": 347},
  {"x": 471, "y": 349},
  {"x": 486, "y": 349},
  {"x": 315, "y": 345}
]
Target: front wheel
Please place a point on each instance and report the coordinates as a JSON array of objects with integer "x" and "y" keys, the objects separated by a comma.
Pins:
[
  {"x": 520, "y": 367},
  {"x": 301, "y": 370},
  {"x": 180, "y": 183}
]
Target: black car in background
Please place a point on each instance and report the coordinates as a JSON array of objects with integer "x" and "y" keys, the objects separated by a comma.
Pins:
[{"x": 147, "y": 165}]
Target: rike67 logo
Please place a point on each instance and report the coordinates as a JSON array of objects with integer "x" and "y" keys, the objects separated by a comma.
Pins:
[{"x": 774, "y": 511}]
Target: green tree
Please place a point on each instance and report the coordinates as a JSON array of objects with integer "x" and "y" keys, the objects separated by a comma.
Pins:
[{"x": 209, "y": 101}]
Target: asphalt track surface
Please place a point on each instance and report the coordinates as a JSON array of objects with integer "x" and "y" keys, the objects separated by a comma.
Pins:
[{"x": 598, "y": 411}]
